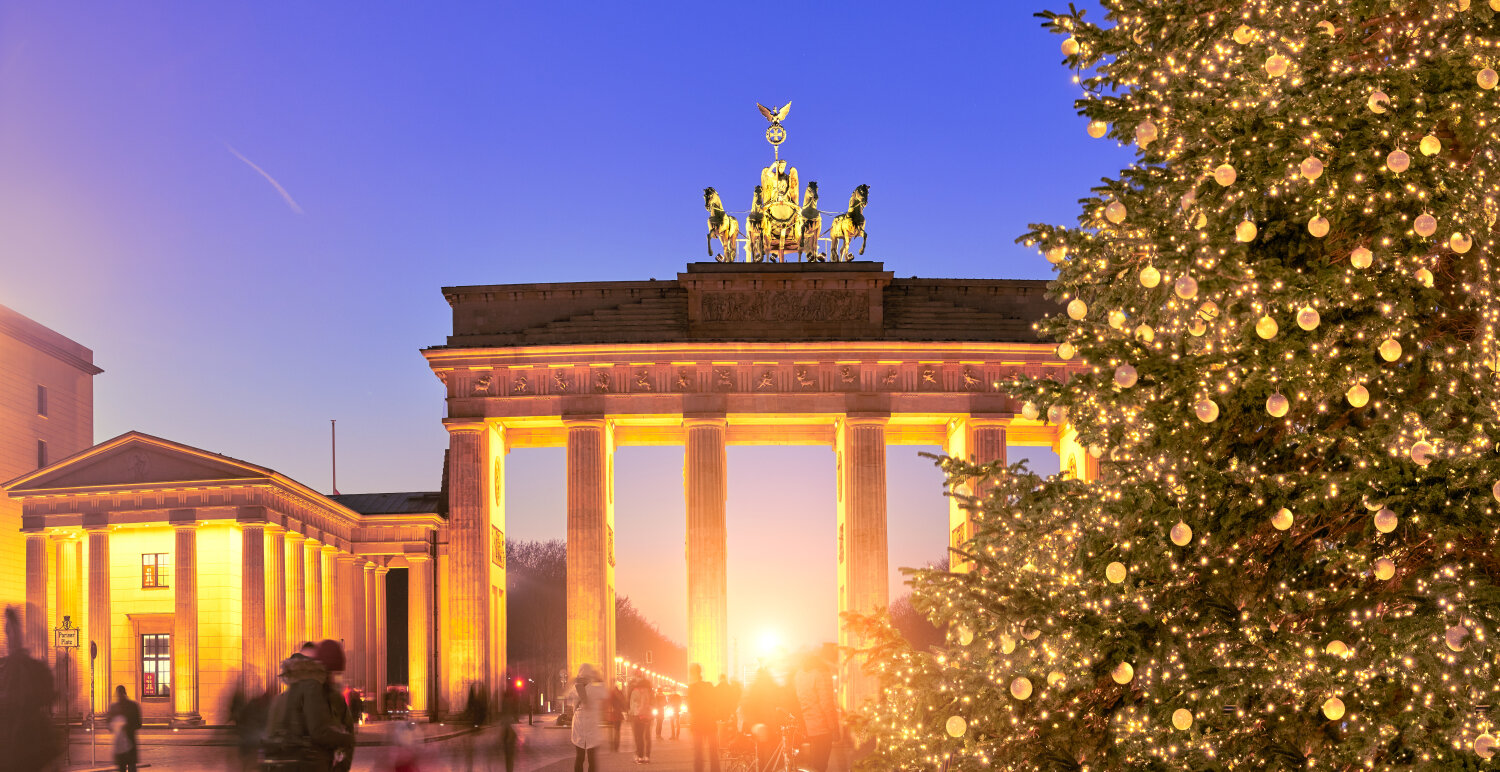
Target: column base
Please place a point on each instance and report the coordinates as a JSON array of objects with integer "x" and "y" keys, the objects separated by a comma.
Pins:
[{"x": 189, "y": 720}]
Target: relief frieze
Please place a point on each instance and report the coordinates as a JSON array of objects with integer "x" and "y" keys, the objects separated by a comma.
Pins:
[{"x": 786, "y": 306}]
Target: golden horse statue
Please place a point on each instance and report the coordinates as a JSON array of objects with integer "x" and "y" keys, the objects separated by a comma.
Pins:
[
  {"x": 721, "y": 226},
  {"x": 849, "y": 226},
  {"x": 812, "y": 226},
  {"x": 752, "y": 227}
]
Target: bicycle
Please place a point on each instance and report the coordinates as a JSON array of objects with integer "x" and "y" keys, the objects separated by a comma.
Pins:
[{"x": 740, "y": 756}]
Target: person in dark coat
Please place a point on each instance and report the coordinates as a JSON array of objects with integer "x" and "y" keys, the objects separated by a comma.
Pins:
[
  {"x": 25, "y": 698},
  {"x": 124, "y": 719},
  {"x": 330, "y": 654},
  {"x": 614, "y": 716},
  {"x": 249, "y": 715},
  {"x": 302, "y": 728},
  {"x": 703, "y": 707}
]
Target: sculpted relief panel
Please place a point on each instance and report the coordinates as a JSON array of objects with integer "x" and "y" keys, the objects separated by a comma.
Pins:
[{"x": 786, "y": 306}]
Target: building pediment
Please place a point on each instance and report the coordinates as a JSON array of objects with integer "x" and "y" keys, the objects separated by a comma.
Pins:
[{"x": 135, "y": 460}]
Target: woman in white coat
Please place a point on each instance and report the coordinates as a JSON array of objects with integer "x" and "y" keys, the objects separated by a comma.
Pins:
[{"x": 588, "y": 697}]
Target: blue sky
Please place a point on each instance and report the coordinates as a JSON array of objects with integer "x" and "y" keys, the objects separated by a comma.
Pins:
[{"x": 418, "y": 145}]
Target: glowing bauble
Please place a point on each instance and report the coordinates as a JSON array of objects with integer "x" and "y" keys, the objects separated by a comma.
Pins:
[
  {"x": 1097, "y": 451},
  {"x": 1421, "y": 453},
  {"x": 1460, "y": 243},
  {"x": 1125, "y": 376},
  {"x": 1385, "y": 568},
  {"x": 1145, "y": 133},
  {"x": 1182, "y": 533},
  {"x": 1484, "y": 746},
  {"x": 1007, "y": 643},
  {"x": 1054, "y": 677},
  {"x": 1308, "y": 318},
  {"x": 1430, "y": 145},
  {"x": 1282, "y": 520},
  {"x": 1333, "y": 708},
  {"x": 1030, "y": 634},
  {"x": 1066, "y": 350},
  {"x": 1145, "y": 333},
  {"x": 1457, "y": 637},
  {"x": 957, "y": 726},
  {"x": 1277, "y": 405},
  {"x": 1336, "y": 648},
  {"x": 1425, "y": 277},
  {"x": 1057, "y": 414},
  {"x": 1200, "y": 221},
  {"x": 1385, "y": 521},
  {"x": 1425, "y": 225},
  {"x": 1487, "y": 78},
  {"x": 1312, "y": 168},
  {"x": 1318, "y": 226},
  {"x": 1327, "y": 28},
  {"x": 1398, "y": 161},
  {"x": 1115, "y": 212},
  {"x": 1150, "y": 277},
  {"x": 1461, "y": 5},
  {"x": 1390, "y": 350},
  {"x": 1123, "y": 673},
  {"x": 1357, "y": 395},
  {"x": 1056, "y": 255},
  {"x": 1361, "y": 257},
  {"x": 1097, "y": 129},
  {"x": 1182, "y": 718},
  {"x": 1225, "y": 175},
  {"x": 1186, "y": 287},
  {"x": 1115, "y": 572},
  {"x": 1197, "y": 327},
  {"x": 1209, "y": 311},
  {"x": 1020, "y": 688},
  {"x": 1377, "y": 102},
  {"x": 1207, "y": 411},
  {"x": 1266, "y": 327},
  {"x": 1243, "y": 34},
  {"x": 1495, "y": 491},
  {"x": 1069, "y": 46},
  {"x": 1117, "y": 320},
  {"x": 1029, "y": 411},
  {"x": 1077, "y": 309},
  {"x": 1276, "y": 65},
  {"x": 1245, "y": 231}
]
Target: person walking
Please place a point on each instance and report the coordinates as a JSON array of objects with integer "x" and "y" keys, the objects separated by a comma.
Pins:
[
  {"x": 124, "y": 720},
  {"x": 510, "y": 715},
  {"x": 639, "y": 702},
  {"x": 658, "y": 709},
  {"x": 26, "y": 693},
  {"x": 703, "y": 704},
  {"x": 330, "y": 654},
  {"x": 303, "y": 734},
  {"x": 674, "y": 713},
  {"x": 588, "y": 697},
  {"x": 820, "y": 717},
  {"x": 614, "y": 716}
]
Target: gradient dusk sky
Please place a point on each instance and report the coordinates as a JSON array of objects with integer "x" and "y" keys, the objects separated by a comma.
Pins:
[{"x": 247, "y": 210}]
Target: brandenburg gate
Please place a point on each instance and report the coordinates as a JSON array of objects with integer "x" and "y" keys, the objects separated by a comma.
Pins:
[{"x": 840, "y": 354}]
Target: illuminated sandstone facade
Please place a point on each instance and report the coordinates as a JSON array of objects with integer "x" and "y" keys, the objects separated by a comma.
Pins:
[{"x": 842, "y": 355}]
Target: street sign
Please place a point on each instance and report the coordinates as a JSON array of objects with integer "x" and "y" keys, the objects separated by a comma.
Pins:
[{"x": 67, "y": 638}]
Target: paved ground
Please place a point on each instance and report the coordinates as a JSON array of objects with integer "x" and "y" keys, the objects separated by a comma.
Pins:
[{"x": 543, "y": 748}]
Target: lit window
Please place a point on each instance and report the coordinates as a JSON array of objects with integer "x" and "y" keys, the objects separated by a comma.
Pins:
[
  {"x": 156, "y": 569},
  {"x": 41, "y": 401},
  {"x": 41, "y": 453},
  {"x": 156, "y": 666}
]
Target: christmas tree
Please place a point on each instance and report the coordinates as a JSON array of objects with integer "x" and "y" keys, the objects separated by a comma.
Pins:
[{"x": 1283, "y": 317}]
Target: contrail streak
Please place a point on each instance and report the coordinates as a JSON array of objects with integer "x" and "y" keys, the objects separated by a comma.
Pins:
[{"x": 291, "y": 202}]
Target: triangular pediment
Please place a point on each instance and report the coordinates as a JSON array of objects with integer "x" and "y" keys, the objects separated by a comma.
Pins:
[{"x": 136, "y": 459}]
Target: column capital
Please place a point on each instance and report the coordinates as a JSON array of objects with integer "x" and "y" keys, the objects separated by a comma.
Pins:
[
  {"x": 293, "y": 537},
  {"x": 382, "y": 570},
  {"x": 329, "y": 548},
  {"x": 866, "y": 419},
  {"x": 347, "y": 559},
  {"x": 460, "y": 425},
  {"x": 417, "y": 557},
  {"x": 717, "y": 420},
  {"x": 585, "y": 422}
]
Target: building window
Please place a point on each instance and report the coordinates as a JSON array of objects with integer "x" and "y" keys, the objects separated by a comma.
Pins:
[
  {"x": 156, "y": 666},
  {"x": 41, "y": 401},
  {"x": 156, "y": 569},
  {"x": 41, "y": 453}
]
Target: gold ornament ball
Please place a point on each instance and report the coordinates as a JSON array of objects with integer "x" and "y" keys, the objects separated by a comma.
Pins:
[
  {"x": 1495, "y": 5},
  {"x": 1150, "y": 277},
  {"x": 1487, "y": 78},
  {"x": 1057, "y": 414},
  {"x": 1318, "y": 226},
  {"x": 1225, "y": 175},
  {"x": 1115, "y": 572},
  {"x": 1117, "y": 319},
  {"x": 1484, "y": 746},
  {"x": 965, "y": 635},
  {"x": 1385, "y": 521},
  {"x": 1421, "y": 453},
  {"x": 1357, "y": 395},
  {"x": 1327, "y": 28},
  {"x": 957, "y": 726},
  {"x": 1460, "y": 243},
  {"x": 1457, "y": 637},
  {"x": 1182, "y": 718},
  {"x": 1030, "y": 633},
  {"x": 1200, "y": 221},
  {"x": 1425, "y": 277},
  {"x": 1056, "y": 255},
  {"x": 1146, "y": 133},
  {"x": 1267, "y": 327},
  {"x": 1385, "y": 568},
  {"x": 1115, "y": 212},
  {"x": 1181, "y": 534},
  {"x": 1308, "y": 318},
  {"x": 1277, "y": 405},
  {"x": 1372, "y": 505},
  {"x": 1186, "y": 287},
  {"x": 1123, "y": 673},
  {"x": 1398, "y": 161},
  {"x": 1461, "y": 5},
  {"x": 1333, "y": 708},
  {"x": 1097, "y": 129},
  {"x": 1145, "y": 333},
  {"x": 1007, "y": 643},
  {"x": 1207, "y": 411},
  {"x": 1020, "y": 688},
  {"x": 1336, "y": 648},
  {"x": 1282, "y": 520},
  {"x": 1245, "y": 231},
  {"x": 1378, "y": 102},
  {"x": 1390, "y": 350},
  {"x": 1209, "y": 311},
  {"x": 1066, "y": 350},
  {"x": 1069, "y": 46},
  {"x": 1243, "y": 34},
  {"x": 1425, "y": 225},
  {"x": 1097, "y": 451},
  {"x": 1125, "y": 376},
  {"x": 1029, "y": 411},
  {"x": 1077, "y": 309},
  {"x": 1495, "y": 491},
  {"x": 1276, "y": 65},
  {"x": 1197, "y": 327},
  {"x": 1430, "y": 145},
  {"x": 1054, "y": 677},
  {"x": 1361, "y": 257},
  {"x": 1312, "y": 168}
]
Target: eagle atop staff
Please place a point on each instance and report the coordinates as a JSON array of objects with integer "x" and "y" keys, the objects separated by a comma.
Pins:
[{"x": 774, "y": 114}]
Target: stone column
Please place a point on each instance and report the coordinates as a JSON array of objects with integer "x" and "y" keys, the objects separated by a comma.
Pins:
[
  {"x": 476, "y": 517},
  {"x": 1073, "y": 460},
  {"x": 296, "y": 591},
  {"x": 329, "y": 607},
  {"x": 314, "y": 591},
  {"x": 253, "y": 634},
  {"x": 591, "y": 549},
  {"x": 981, "y": 440},
  {"x": 185, "y": 619},
  {"x": 99, "y": 616},
  {"x": 278, "y": 636},
  {"x": 70, "y": 605},
  {"x": 706, "y": 480},
  {"x": 379, "y": 649},
  {"x": 864, "y": 571},
  {"x": 418, "y": 631},
  {"x": 34, "y": 616},
  {"x": 349, "y": 578},
  {"x": 368, "y": 633}
]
